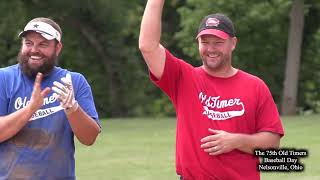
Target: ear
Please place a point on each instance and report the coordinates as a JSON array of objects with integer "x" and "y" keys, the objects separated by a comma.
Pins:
[
  {"x": 234, "y": 42},
  {"x": 58, "y": 48}
]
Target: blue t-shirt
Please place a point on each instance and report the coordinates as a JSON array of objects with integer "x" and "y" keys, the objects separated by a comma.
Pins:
[{"x": 44, "y": 148}]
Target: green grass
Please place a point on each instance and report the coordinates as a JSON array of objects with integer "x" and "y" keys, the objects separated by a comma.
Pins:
[
  {"x": 143, "y": 149},
  {"x": 301, "y": 132}
]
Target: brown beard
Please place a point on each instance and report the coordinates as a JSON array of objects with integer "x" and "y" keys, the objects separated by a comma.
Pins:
[
  {"x": 45, "y": 69},
  {"x": 223, "y": 61}
]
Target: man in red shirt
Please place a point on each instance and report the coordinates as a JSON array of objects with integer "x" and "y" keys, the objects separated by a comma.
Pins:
[{"x": 223, "y": 113}]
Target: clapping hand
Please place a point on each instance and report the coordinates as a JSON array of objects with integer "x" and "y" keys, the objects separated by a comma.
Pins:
[{"x": 65, "y": 94}]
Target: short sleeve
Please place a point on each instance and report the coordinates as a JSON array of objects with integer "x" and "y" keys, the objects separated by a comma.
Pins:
[
  {"x": 83, "y": 94},
  {"x": 3, "y": 95},
  {"x": 168, "y": 82},
  {"x": 267, "y": 115}
]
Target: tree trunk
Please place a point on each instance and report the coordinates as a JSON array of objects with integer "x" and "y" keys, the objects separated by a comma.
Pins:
[{"x": 290, "y": 89}]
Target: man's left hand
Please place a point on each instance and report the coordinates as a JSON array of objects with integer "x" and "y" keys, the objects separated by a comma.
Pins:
[
  {"x": 220, "y": 142},
  {"x": 65, "y": 94}
]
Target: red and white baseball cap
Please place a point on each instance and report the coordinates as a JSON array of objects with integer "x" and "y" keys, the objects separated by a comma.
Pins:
[{"x": 218, "y": 25}]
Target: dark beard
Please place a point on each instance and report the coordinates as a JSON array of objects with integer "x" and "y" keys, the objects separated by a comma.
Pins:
[{"x": 45, "y": 69}]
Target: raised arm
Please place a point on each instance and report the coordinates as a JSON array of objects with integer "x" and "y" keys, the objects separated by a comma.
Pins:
[
  {"x": 11, "y": 124},
  {"x": 149, "y": 39}
]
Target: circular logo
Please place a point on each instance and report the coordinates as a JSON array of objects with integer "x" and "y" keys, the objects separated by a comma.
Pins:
[{"x": 212, "y": 22}]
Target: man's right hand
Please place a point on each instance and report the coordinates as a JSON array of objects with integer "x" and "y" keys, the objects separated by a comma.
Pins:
[
  {"x": 38, "y": 95},
  {"x": 12, "y": 123}
]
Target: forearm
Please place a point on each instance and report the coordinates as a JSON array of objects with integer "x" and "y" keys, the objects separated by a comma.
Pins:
[
  {"x": 262, "y": 140},
  {"x": 150, "y": 31},
  {"x": 83, "y": 126},
  {"x": 149, "y": 40},
  {"x": 11, "y": 124}
]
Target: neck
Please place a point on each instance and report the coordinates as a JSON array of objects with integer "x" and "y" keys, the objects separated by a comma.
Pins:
[{"x": 225, "y": 73}]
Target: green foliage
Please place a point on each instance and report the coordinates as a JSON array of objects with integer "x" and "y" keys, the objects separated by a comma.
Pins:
[
  {"x": 100, "y": 40},
  {"x": 310, "y": 76},
  {"x": 309, "y": 83},
  {"x": 12, "y": 14}
]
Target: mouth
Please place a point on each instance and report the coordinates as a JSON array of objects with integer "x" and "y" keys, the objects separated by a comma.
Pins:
[
  {"x": 213, "y": 56},
  {"x": 36, "y": 60},
  {"x": 35, "y": 57}
]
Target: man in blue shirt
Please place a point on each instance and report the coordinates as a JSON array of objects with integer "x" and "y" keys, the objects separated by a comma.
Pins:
[{"x": 42, "y": 107}]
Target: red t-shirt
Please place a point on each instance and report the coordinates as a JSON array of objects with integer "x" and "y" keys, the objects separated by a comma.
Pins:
[{"x": 238, "y": 104}]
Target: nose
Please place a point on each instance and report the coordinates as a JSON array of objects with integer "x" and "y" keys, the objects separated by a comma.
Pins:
[
  {"x": 211, "y": 48},
  {"x": 34, "y": 49}
]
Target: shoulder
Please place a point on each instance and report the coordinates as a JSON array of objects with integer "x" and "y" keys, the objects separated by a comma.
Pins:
[
  {"x": 76, "y": 76},
  {"x": 250, "y": 77},
  {"x": 183, "y": 64},
  {"x": 58, "y": 71},
  {"x": 78, "y": 79},
  {"x": 255, "y": 82},
  {"x": 172, "y": 57},
  {"x": 10, "y": 69},
  {"x": 10, "y": 73}
]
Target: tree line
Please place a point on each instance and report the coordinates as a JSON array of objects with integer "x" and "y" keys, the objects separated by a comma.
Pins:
[{"x": 278, "y": 40}]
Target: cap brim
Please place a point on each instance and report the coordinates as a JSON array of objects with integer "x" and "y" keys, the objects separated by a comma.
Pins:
[
  {"x": 47, "y": 36},
  {"x": 214, "y": 32},
  {"x": 22, "y": 33}
]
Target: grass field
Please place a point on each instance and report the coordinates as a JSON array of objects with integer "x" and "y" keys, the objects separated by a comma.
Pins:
[{"x": 143, "y": 149}]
